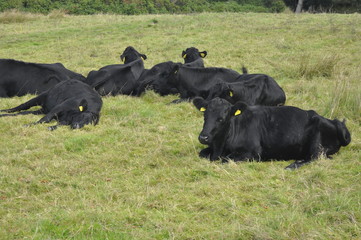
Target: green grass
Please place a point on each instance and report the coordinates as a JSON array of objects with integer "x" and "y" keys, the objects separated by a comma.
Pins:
[{"x": 137, "y": 174}]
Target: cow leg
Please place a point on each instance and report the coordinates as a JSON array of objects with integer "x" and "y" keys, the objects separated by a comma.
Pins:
[
  {"x": 215, "y": 155},
  {"x": 239, "y": 157},
  {"x": 180, "y": 100},
  {"x": 315, "y": 151},
  {"x": 49, "y": 116},
  {"x": 25, "y": 106},
  {"x": 253, "y": 152},
  {"x": 205, "y": 153},
  {"x": 57, "y": 110},
  {"x": 297, "y": 164},
  {"x": 37, "y": 112},
  {"x": 52, "y": 128}
]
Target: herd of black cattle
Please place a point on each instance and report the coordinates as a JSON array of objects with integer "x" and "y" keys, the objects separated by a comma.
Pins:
[{"x": 244, "y": 114}]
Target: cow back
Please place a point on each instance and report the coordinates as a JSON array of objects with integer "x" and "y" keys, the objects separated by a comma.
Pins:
[
  {"x": 20, "y": 78},
  {"x": 72, "y": 89}
]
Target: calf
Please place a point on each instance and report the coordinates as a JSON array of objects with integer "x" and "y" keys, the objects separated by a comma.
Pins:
[
  {"x": 193, "y": 57},
  {"x": 253, "y": 89},
  {"x": 119, "y": 78},
  {"x": 69, "y": 102},
  {"x": 242, "y": 132},
  {"x": 20, "y": 78}
]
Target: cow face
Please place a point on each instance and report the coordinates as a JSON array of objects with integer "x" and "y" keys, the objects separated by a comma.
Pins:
[
  {"x": 334, "y": 134},
  {"x": 221, "y": 90},
  {"x": 157, "y": 78},
  {"x": 77, "y": 116},
  {"x": 130, "y": 55},
  {"x": 343, "y": 134},
  {"x": 217, "y": 115},
  {"x": 191, "y": 54}
]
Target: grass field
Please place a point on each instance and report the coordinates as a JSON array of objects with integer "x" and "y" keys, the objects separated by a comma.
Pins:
[{"x": 137, "y": 174}]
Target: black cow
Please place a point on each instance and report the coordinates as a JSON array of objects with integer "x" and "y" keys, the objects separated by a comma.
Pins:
[
  {"x": 253, "y": 89},
  {"x": 69, "y": 102},
  {"x": 193, "y": 57},
  {"x": 193, "y": 82},
  {"x": 19, "y": 78},
  {"x": 119, "y": 78},
  {"x": 242, "y": 132},
  {"x": 154, "y": 78},
  {"x": 170, "y": 77}
]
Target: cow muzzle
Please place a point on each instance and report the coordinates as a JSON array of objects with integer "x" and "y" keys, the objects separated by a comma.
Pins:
[{"x": 204, "y": 139}]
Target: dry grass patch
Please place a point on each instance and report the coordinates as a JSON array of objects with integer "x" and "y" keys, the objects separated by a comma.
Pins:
[{"x": 16, "y": 16}]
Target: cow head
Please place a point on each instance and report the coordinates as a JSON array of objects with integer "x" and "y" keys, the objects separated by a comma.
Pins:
[
  {"x": 158, "y": 78},
  {"x": 191, "y": 54},
  {"x": 334, "y": 134},
  {"x": 221, "y": 90},
  {"x": 130, "y": 55},
  {"x": 217, "y": 115},
  {"x": 78, "y": 116},
  {"x": 343, "y": 134}
]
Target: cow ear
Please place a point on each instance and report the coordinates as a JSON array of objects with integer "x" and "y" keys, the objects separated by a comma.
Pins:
[
  {"x": 200, "y": 103},
  {"x": 143, "y": 56},
  {"x": 203, "y": 54},
  {"x": 184, "y": 55},
  {"x": 238, "y": 108},
  {"x": 83, "y": 105},
  {"x": 122, "y": 58}
]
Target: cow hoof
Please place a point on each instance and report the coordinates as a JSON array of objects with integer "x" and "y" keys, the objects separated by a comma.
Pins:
[
  {"x": 292, "y": 166},
  {"x": 76, "y": 126},
  {"x": 176, "y": 101},
  {"x": 52, "y": 128}
]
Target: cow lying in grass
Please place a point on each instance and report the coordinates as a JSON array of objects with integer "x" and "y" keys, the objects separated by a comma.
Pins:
[
  {"x": 156, "y": 78},
  {"x": 119, "y": 78},
  {"x": 69, "y": 102},
  {"x": 253, "y": 89},
  {"x": 241, "y": 132},
  {"x": 19, "y": 78},
  {"x": 170, "y": 78}
]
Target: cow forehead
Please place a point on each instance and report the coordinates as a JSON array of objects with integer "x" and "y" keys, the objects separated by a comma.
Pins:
[
  {"x": 219, "y": 105},
  {"x": 192, "y": 49},
  {"x": 129, "y": 50}
]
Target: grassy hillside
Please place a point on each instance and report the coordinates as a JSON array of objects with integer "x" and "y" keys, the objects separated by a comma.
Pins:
[{"x": 137, "y": 174}]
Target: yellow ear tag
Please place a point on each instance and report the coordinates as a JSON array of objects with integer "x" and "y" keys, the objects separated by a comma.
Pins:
[
  {"x": 185, "y": 55},
  {"x": 237, "y": 112},
  {"x": 202, "y": 55},
  {"x": 142, "y": 58},
  {"x": 231, "y": 93},
  {"x": 202, "y": 109},
  {"x": 81, "y": 108}
]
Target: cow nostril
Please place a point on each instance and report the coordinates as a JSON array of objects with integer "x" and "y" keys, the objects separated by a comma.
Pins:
[{"x": 203, "y": 138}]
